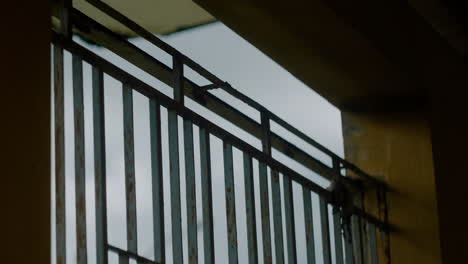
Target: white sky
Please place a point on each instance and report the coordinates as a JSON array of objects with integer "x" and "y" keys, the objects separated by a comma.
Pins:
[{"x": 234, "y": 60}]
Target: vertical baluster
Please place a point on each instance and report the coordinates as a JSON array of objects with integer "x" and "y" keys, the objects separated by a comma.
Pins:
[
  {"x": 207, "y": 201},
  {"x": 123, "y": 259},
  {"x": 290, "y": 223},
  {"x": 325, "y": 231},
  {"x": 356, "y": 239},
  {"x": 250, "y": 210},
  {"x": 190, "y": 192},
  {"x": 80, "y": 177},
  {"x": 175, "y": 187},
  {"x": 309, "y": 226},
  {"x": 373, "y": 244},
  {"x": 364, "y": 242},
  {"x": 264, "y": 197},
  {"x": 129, "y": 169},
  {"x": 264, "y": 201},
  {"x": 265, "y": 212},
  {"x": 157, "y": 180},
  {"x": 337, "y": 236},
  {"x": 277, "y": 217},
  {"x": 337, "y": 222},
  {"x": 349, "y": 257},
  {"x": 174, "y": 164},
  {"x": 59, "y": 155},
  {"x": 230, "y": 203},
  {"x": 99, "y": 165}
]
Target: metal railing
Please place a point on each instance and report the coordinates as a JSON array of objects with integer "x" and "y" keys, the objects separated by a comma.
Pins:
[{"x": 352, "y": 231}]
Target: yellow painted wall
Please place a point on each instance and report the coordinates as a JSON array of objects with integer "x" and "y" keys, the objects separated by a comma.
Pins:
[{"x": 397, "y": 149}]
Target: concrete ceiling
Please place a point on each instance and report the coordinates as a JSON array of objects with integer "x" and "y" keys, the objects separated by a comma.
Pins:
[
  {"x": 360, "y": 55},
  {"x": 157, "y": 16}
]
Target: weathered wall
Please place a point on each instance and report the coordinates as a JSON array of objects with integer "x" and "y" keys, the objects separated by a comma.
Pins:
[
  {"x": 25, "y": 132},
  {"x": 397, "y": 148}
]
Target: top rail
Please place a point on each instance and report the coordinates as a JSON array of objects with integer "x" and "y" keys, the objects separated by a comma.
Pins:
[{"x": 218, "y": 83}]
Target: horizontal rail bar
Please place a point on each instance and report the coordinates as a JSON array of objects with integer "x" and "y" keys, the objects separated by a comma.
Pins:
[
  {"x": 214, "y": 129},
  {"x": 218, "y": 83}
]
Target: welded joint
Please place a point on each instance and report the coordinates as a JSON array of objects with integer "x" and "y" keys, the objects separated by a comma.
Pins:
[{"x": 266, "y": 135}]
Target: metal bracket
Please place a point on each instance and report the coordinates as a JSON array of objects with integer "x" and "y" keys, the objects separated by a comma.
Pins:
[{"x": 215, "y": 86}]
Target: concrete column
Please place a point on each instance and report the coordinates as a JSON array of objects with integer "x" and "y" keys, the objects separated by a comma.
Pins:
[
  {"x": 397, "y": 149},
  {"x": 25, "y": 132},
  {"x": 449, "y": 132}
]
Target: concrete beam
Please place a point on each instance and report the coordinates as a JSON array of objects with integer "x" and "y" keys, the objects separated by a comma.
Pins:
[
  {"x": 397, "y": 149},
  {"x": 158, "y": 17},
  {"x": 360, "y": 55}
]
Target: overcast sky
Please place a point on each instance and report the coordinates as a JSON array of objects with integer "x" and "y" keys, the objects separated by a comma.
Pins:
[{"x": 234, "y": 60}]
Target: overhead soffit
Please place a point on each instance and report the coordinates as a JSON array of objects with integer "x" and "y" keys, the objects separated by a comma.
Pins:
[
  {"x": 360, "y": 55},
  {"x": 157, "y": 16},
  {"x": 449, "y": 18}
]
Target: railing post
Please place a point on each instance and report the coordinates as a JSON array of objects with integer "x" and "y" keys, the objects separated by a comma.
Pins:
[
  {"x": 177, "y": 252},
  {"x": 65, "y": 19},
  {"x": 264, "y": 197},
  {"x": 275, "y": 191}
]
